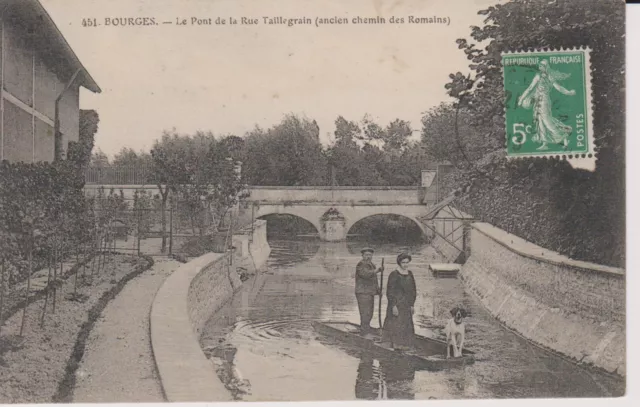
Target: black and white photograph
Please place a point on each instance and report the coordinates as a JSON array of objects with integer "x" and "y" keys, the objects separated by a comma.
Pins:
[{"x": 312, "y": 200}]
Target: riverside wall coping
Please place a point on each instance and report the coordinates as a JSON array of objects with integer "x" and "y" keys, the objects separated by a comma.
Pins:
[
  {"x": 527, "y": 249},
  {"x": 185, "y": 373}
]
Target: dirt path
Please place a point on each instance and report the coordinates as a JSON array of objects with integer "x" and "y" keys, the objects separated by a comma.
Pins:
[{"x": 118, "y": 364}]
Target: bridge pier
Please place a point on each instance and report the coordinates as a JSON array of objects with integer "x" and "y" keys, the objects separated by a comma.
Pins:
[{"x": 335, "y": 230}]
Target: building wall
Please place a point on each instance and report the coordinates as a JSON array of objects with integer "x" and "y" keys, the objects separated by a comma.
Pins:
[{"x": 28, "y": 101}]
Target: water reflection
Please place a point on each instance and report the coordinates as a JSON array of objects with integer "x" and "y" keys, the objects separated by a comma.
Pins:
[
  {"x": 287, "y": 253},
  {"x": 379, "y": 377},
  {"x": 384, "y": 379},
  {"x": 369, "y": 383},
  {"x": 223, "y": 357}
]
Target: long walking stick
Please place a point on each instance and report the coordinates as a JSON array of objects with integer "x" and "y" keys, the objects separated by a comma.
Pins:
[{"x": 380, "y": 297}]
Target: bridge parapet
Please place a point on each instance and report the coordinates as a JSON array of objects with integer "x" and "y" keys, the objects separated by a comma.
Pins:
[{"x": 358, "y": 196}]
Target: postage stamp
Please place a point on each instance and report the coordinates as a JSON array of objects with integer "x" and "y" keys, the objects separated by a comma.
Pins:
[
  {"x": 548, "y": 105},
  {"x": 314, "y": 203}
]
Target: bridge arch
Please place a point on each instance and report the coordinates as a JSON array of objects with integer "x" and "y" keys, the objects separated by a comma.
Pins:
[
  {"x": 388, "y": 211},
  {"x": 300, "y": 212},
  {"x": 349, "y": 214}
]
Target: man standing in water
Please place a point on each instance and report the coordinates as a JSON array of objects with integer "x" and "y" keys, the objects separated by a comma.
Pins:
[{"x": 367, "y": 288}]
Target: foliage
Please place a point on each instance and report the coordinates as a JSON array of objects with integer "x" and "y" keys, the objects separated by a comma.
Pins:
[
  {"x": 80, "y": 152},
  {"x": 572, "y": 211},
  {"x": 448, "y": 136},
  {"x": 42, "y": 220},
  {"x": 99, "y": 159},
  {"x": 362, "y": 153},
  {"x": 289, "y": 154},
  {"x": 367, "y": 154},
  {"x": 200, "y": 171},
  {"x": 128, "y": 157},
  {"x": 110, "y": 207},
  {"x": 142, "y": 205}
]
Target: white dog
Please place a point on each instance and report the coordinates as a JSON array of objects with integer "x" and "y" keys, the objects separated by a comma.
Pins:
[{"x": 455, "y": 330}]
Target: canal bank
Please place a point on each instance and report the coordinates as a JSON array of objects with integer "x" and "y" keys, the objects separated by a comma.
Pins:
[
  {"x": 182, "y": 305},
  {"x": 571, "y": 307}
]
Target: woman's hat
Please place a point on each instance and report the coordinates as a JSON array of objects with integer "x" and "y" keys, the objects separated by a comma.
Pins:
[
  {"x": 366, "y": 250},
  {"x": 403, "y": 256}
]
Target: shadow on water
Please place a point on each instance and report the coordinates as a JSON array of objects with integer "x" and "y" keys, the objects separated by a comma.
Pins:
[{"x": 387, "y": 229}]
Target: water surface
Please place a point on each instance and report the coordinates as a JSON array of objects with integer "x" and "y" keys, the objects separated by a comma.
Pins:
[{"x": 264, "y": 347}]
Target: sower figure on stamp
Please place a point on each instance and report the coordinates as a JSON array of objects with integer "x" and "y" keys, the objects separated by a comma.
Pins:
[{"x": 367, "y": 288}]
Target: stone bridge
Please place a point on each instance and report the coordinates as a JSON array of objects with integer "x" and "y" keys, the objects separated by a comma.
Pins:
[{"x": 334, "y": 210}]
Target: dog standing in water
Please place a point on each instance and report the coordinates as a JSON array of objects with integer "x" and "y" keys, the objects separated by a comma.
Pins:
[{"x": 455, "y": 330}]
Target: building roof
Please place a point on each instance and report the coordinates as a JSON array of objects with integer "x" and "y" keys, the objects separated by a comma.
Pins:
[{"x": 47, "y": 38}]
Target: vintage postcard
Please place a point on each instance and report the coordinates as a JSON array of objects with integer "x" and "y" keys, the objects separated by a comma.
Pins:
[{"x": 312, "y": 200}]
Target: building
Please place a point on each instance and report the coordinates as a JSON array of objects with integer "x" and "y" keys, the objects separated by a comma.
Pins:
[{"x": 39, "y": 74}]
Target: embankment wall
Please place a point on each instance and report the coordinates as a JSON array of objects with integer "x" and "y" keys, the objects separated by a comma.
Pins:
[
  {"x": 251, "y": 247},
  {"x": 186, "y": 300},
  {"x": 183, "y": 305},
  {"x": 573, "y": 308}
]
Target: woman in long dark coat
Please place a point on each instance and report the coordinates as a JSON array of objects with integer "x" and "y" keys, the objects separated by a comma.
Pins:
[{"x": 401, "y": 296}]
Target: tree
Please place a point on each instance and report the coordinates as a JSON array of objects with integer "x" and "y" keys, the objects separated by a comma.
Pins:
[
  {"x": 169, "y": 157},
  {"x": 393, "y": 139},
  {"x": 583, "y": 213},
  {"x": 80, "y": 152},
  {"x": 448, "y": 136},
  {"x": 289, "y": 153},
  {"x": 235, "y": 147},
  {"x": 200, "y": 171},
  {"x": 38, "y": 203},
  {"x": 129, "y": 166},
  {"x": 345, "y": 156},
  {"x": 224, "y": 183},
  {"x": 128, "y": 157},
  {"x": 99, "y": 159},
  {"x": 367, "y": 154}
]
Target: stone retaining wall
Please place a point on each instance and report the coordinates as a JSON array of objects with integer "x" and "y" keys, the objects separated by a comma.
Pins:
[
  {"x": 183, "y": 305},
  {"x": 571, "y": 307},
  {"x": 186, "y": 300},
  {"x": 251, "y": 247}
]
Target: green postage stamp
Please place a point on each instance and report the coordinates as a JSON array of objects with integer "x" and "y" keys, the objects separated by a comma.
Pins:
[{"x": 548, "y": 105}]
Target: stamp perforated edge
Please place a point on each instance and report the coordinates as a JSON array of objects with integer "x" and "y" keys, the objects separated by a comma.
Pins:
[{"x": 585, "y": 160}]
